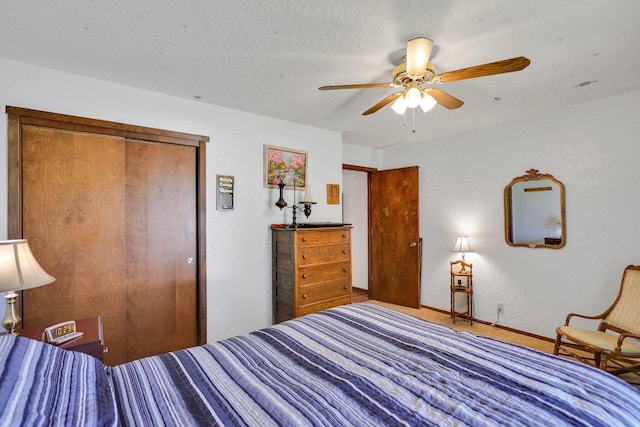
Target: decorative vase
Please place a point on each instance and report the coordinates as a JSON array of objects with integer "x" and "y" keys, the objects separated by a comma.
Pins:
[{"x": 281, "y": 203}]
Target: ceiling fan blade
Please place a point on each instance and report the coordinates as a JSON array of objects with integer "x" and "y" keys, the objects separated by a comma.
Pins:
[
  {"x": 499, "y": 67},
  {"x": 444, "y": 99},
  {"x": 356, "y": 86},
  {"x": 382, "y": 103},
  {"x": 418, "y": 53}
]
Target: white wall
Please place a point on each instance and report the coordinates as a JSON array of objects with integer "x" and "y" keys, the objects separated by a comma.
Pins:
[
  {"x": 238, "y": 241},
  {"x": 593, "y": 149},
  {"x": 361, "y": 156}
]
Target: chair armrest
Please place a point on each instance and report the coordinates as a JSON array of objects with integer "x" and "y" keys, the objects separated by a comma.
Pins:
[
  {"x": 624, "y": 336},
  {"x": 583, "y": 316}
]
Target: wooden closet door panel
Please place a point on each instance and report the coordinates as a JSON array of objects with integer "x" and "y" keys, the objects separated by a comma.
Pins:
[
  {"x": 73, "y": 217},
  {"x": 161, "y": 248}
]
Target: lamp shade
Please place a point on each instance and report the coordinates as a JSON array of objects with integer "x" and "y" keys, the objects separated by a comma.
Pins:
[
  {"x": 308, "y": 198},
  {"x": 427, "y": 102},
  {"x": 400, "y": 106},
  {"x": 462, "y": 245},
  {"x": 413, "y": 97},
  {"x": 18, "y": 267}
]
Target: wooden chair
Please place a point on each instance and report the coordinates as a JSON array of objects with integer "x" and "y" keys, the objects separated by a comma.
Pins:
[{"x": 613, "y": 347}]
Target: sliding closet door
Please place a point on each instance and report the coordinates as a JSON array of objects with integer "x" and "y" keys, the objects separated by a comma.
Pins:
[
  {"x": 161, "y": 247},
  {"x": 74, "y": 218},
  {"x": 116, "y": 213}
]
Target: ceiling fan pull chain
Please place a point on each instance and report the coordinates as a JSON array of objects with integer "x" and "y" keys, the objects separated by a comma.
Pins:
[{"x": 413, "y": 120}]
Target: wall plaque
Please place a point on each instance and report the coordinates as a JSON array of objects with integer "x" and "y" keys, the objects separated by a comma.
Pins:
[{"x": 224, "y": 192}]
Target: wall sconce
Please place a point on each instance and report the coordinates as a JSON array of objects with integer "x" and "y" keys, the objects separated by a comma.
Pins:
[
  {"x": 462, "y": 246},
  {"x": 306, "y": 202}
]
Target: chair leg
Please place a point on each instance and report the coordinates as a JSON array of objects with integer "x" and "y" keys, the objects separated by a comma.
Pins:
[
  {"x": 601, "y": 360},
  {"x": 556, "y": 348}
]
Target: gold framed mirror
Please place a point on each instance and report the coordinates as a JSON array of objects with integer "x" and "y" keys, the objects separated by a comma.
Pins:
[{"x": 534, "y": 214}]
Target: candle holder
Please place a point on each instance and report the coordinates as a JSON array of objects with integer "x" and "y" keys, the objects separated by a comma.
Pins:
[
  {"x": 307, "y": 208},
  {"x": 305, "y": 205},
  {"x": 281, "y": 203}
]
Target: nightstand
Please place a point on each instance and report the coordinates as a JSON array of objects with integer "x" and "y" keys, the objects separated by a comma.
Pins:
[{"x": 91, "y": 342}]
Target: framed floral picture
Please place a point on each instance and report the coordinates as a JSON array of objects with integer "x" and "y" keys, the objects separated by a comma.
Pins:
[{"x": 285, "y": 165}]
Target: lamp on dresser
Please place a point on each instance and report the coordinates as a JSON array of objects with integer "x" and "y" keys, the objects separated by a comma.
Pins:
[{"x": 19, "y": 270}]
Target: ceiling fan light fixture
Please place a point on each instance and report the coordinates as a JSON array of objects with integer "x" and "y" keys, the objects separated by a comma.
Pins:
[
  {"x": 413, "y": 97},
  {"x": 400, "y": 106},
  {"x": 418, "y": 53},
  {"x": 427, "y": 102}
]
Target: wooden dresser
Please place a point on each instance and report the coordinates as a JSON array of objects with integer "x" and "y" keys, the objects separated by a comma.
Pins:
[{"x": 311, "y": 270}]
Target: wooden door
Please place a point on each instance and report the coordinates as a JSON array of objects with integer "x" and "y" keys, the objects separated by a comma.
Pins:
[
  {"x": 395, "y": 237},
  {"x": 74, "y": 219},
  {"x": 160, "y": 248},
  {"x": 117, "y": 222}
]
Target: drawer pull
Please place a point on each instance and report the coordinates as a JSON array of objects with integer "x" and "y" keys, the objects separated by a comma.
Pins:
[
  {"x": 345, "y": 269},
  {"x": 345, "y": 251},
  {"x": 344, "y": 236},
  {"x": 304, "y": 256},
  {"x": 304, "y": 239},
  {"x": 346, "y": 287},
  {"x": 304, "y": 296},
  {"x": 304, "y": 276}
]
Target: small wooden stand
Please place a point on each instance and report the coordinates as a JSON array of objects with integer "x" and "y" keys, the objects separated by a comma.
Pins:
[{"x": 462, "y": 282}]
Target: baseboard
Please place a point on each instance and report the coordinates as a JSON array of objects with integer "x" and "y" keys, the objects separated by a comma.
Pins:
[{"x": 506, "y": 328}]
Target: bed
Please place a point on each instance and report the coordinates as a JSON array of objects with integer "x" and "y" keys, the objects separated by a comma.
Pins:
[{"x": 360, "y": 364}]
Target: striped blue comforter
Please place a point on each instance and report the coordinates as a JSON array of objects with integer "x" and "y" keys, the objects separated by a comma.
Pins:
[
  {"x": 365, "y": 365},
  {"x": 42, "y": 385}
]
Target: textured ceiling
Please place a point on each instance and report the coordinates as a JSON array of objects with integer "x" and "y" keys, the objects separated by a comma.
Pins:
[{"x": 269, "y": 57}]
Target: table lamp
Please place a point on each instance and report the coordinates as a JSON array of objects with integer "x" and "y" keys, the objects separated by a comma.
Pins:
[
  {"x": 462, "y": 246},
  {"x": 19, "y": 270}
]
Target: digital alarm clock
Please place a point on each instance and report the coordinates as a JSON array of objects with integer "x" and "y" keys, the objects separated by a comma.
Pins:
[{"x": 62, "y": 332}]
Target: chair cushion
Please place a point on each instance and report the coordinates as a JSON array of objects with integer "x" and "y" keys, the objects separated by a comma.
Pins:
[{"x": 597, "y": 339}]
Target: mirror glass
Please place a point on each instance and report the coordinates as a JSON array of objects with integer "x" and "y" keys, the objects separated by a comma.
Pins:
[{"x": 534, "y": 211}]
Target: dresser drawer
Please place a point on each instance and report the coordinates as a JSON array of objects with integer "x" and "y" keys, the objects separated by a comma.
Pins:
[
  {"x": 312, "y": 308},
  {"x": 323, "y": 254},
  {"x": 323, "y": 273},
  {"x": 324, "y": 291},
  {"x": 323, "y": 238}
]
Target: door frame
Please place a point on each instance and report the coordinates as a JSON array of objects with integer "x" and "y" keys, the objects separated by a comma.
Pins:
[
  {"x": 18, "y": 117},
  {"x": 368, "y": 171},
  {"x": 370, "y": 284}
]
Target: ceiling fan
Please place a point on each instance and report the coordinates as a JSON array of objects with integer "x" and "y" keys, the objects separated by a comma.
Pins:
[{"x": 416, "y": 72}]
